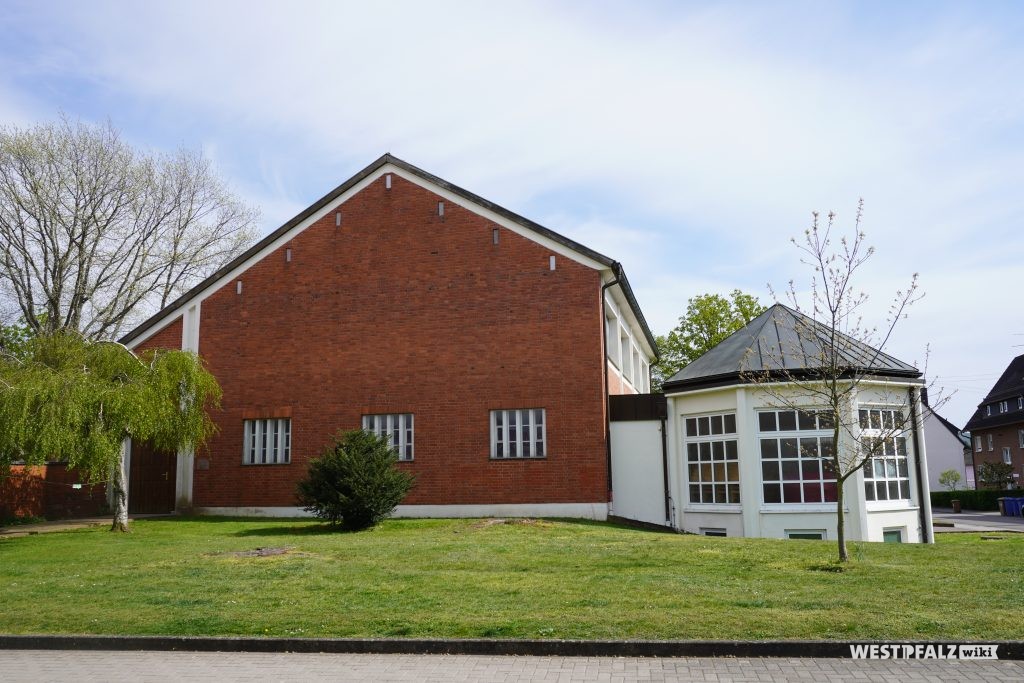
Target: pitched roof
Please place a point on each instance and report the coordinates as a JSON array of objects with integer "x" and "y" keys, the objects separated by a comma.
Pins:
[
  {"x": 1010, "y": 385},
  {"x": 960, "y": 434},
  {"x": 367, "y": 172},
  {"x": 781, "y": 339}
]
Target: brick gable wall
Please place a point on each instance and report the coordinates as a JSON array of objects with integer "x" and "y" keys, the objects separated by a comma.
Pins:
[{"x": 400, "y": 310}]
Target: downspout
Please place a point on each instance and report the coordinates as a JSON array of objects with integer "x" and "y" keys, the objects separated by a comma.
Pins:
[
  {"x": 925, "y": 507},
  {"x": 616, "y": 269},
  {"x": 664, "y": 466}
]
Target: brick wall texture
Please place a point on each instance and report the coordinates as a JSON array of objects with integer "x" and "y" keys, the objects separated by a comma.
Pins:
[{"x": 400, "y": 310}]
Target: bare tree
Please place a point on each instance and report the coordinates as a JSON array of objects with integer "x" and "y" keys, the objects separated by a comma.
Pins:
[
  {"x": 94, "y": 233},
  {"x": 839, "y": 361}
]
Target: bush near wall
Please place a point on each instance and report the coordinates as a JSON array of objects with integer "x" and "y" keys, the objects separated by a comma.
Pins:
[{"x": 981, "y": 500}]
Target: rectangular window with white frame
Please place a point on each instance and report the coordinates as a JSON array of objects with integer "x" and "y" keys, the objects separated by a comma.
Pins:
[
  {"x": 397, "y": 428},
  {"x": 797, "y": 456},
  {"x": 977, "y": 444},
  {"x": 267, "y": 441},
  {"x": 519, "y": 433},
  {"x": 1020, "y": 438},
  {"x": 806, "y": 534},
  {"x": 884, "y": 441},
  {"x": 991, "y": 447},
  {"x": 1003, "y": 406},
  {"x": 712, "y": 459},
  {"x": 1007, "y": 456}
]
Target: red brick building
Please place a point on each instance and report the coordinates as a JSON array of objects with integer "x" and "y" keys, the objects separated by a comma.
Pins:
[
  {"x": 403, "y": 304},
  {"x": 997, "y": 426}
]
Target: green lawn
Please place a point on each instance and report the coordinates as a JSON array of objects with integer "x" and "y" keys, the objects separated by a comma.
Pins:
[{"x": 471, "y": 578}]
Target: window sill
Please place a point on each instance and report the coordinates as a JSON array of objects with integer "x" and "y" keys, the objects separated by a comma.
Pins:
[
  {"x": 787, "y": 508},
  {"x": 890, "y": 506},
  {"x": 265, "y": 464},
  {"x": 519, "y": 459},
  {"x": 730, "y": 508}
]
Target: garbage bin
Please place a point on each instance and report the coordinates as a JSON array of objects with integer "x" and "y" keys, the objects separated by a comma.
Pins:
[
  {"x": 1019, "y": 507},
  {"x": 1012, "y": 507},
  {"x": 1002, "y": 506},
  {"x": 956, "y": 505}
]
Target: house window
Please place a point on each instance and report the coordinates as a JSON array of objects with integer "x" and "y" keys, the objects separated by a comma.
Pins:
[
  {"x": 988, "y": 411},
  {"x": 989, "y": 439},
  {"x": 713, "y": 532},
  {"x": 796, "y": 456},
  {"x": 892, "y": 535},
  {"x": 518, "y": 433},
  {"x": 625, "y": 363},
  {"x": 1007, "y": 458},
  {"x": 712, "y": 459},
  {"x": 1020, "y": 438},
  {"x": 806, "y": 534},
  {"x": 1020, "y": 403},
  {"x": 977, "y": 443},
  {"x": 267, "y": 442},
  {"x": 397, "y": 427},
  {"x": 1003, "y": 406},
  {"x": 886, "y": 476}
]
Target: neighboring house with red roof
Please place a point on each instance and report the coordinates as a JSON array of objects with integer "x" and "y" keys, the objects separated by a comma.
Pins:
[
  {"x": 474, "y": 338},
  {"x": 997, "y": 426}
]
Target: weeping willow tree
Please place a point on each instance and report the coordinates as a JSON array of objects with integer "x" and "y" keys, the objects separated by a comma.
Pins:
[{"x": 66, "y": 398}]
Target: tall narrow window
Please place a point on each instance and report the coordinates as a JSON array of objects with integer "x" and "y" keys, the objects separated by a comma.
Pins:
[
  {"x": 397, "y": 428},
  {"x": 520, "y": 433},
  {"x": 1007, "y": 457},
  {"x": 883, "y": 440},
  {"x": 267, "y": 442},
  {"x": 977, "y": 443},
  {"x": 712, "y": 459},
  {"x": 989, "y": 439}
]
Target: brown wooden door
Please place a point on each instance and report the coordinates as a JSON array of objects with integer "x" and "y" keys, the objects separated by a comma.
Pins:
[{"x": 151, "y": 480}]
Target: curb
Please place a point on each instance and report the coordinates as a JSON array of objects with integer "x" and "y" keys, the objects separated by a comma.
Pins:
[{"x": 560, "y": 648}]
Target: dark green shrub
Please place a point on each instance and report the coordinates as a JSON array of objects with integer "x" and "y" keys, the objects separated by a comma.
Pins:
[
  {"x": 982, "y": 500},
  {"x": 355, "y": 482}
]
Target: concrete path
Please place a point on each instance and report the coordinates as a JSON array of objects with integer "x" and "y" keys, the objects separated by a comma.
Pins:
[
  {"x": 84, "y": 667},
  {"x": 970, "y": 520},
  {"x": 63, "y": 525}
]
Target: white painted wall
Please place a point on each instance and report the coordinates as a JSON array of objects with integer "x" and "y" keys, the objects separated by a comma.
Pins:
[
  {"x": 637, "y": 476},
  {"x": 945, "y": 452}
]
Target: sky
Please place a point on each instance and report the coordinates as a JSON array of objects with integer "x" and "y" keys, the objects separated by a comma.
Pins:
[{"x": 689, "y": 141}]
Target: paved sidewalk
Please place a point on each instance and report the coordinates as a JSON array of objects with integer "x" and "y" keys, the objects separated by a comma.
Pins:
[
  {"x": 84, "y": 667},
  {"x": 971, "y": 520},
  {"x": 63, "y": 525}
]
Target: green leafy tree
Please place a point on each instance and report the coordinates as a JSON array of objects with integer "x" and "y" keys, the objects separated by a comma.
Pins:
[
  {"x": 996, "y": 475},
  {"x": 355, "y": 482},
  {"x": 950, "y": 479},
  {"x": 66, "y": 398},
  {"x": 709, "y": 319}
]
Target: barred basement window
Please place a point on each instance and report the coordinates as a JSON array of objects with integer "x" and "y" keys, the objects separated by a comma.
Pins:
[
  {"x": 518, "y": 433},
  {"x": 886, "y": 475},
  {"x": 267, "y": 442},
  {"x": 397, "y": 427},
  {"x": 712, "y": 459},
  {"x": 796, "y": 456}
]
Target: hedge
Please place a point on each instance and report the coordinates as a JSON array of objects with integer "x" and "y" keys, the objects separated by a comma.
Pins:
[{"x": 974, "y": 500}]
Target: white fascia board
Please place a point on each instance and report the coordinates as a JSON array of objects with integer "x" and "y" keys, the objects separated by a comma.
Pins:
[
  {"x": 169, "y": 320},
  {"x": 616, "y": 300},
  {"x": 775, "y": 385},
  {"x": 447, "y": 195},
  {"x": 344, "y": 197}
]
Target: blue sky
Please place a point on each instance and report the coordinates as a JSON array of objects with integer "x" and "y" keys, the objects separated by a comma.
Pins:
[{"x": 688, "y": 141}]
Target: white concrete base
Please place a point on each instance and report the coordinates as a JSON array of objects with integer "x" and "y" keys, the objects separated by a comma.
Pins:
[{"x": 598, "y": 511}]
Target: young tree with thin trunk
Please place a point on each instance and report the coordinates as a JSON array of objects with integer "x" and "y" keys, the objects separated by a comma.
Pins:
[
  {"x": 95, "y": 234},
  {"x": 66, "y": 398},
  {"x": 840, "y": 355}
]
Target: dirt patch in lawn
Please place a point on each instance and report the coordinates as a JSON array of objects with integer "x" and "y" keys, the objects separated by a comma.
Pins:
[
  {"x": 486, "y": 523},
  {"x": 262, "y": 552}
]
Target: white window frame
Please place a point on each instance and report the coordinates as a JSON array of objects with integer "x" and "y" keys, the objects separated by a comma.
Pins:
[
  {"x": 506, "y": 445},
  {"x": 625, "y": 357},
  {"x": 711, "y": 449},
  {"x": 977, "y": 443},
  {"x": 267, "y": 441},
  {"x": 1020, "y": 403},
  {"x": 892, "y": 465},
  {"x": 1020, "y": 437},
  {"x": 399, "y": 430},
  {"x": 714, "y": 532},
  {"x": 901, "y": 530},
  {"x": 991, "y": 447},
  {"x": 1003, "y": 406},
  {"x": 797, "y": 534},
  {"x": 988, "y": 410},
  {"x": 1007, "y": 456},
  {"x": 821, "y": 434}
]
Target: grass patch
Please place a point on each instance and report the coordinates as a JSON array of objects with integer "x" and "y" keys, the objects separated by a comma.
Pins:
[{"x": 474, "y": 578}]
